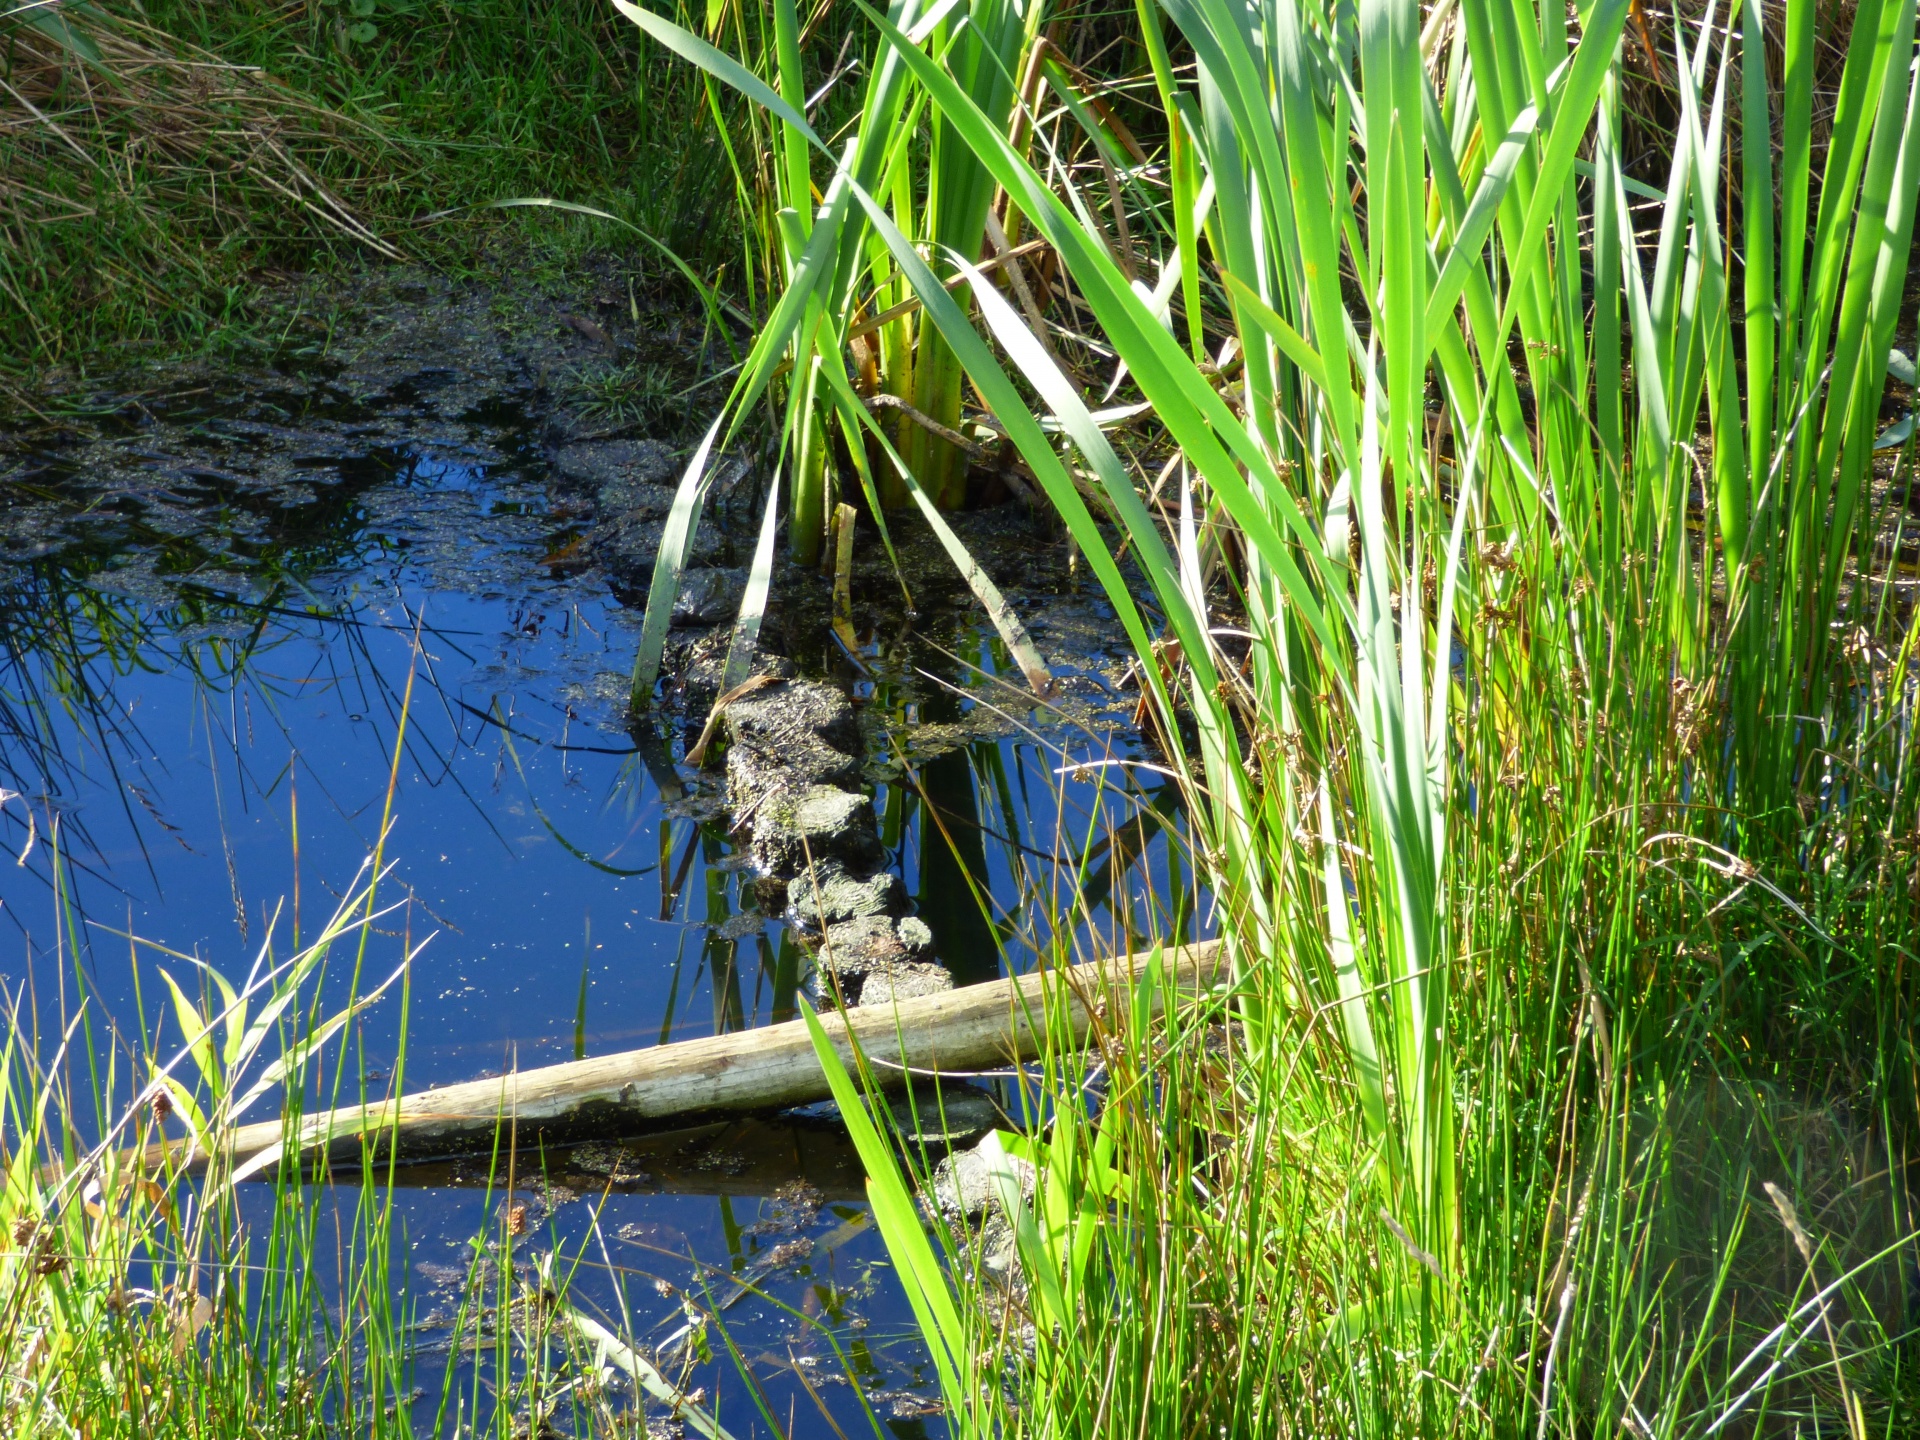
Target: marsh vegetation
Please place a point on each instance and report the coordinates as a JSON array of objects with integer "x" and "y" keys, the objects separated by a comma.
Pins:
[{"x": 1487, "y": 427}]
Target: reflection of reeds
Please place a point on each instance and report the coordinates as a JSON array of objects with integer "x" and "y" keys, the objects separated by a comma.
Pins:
[
  {"x": 128, "y": 155},
  {"x": 63, "y": 647},
  {"x": 67, "y": 650},
  {"x": 1710, "y": 1148},
  {"x": 60, "y": 646}
]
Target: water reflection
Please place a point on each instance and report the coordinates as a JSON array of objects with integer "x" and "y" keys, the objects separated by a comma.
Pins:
[
  {"x": 236, "y": 652},
  {"x": 955, "y": 884}
]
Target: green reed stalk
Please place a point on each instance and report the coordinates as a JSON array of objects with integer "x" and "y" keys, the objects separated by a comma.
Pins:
[
  {"x": 834, "y": 268},
  {"x": 1522, "y": 662},
  {"x": 129, "y": 1299}
]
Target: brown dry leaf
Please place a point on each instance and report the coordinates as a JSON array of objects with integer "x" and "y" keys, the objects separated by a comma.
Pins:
[
  {"x": 585, "y": 327},
  {"x": 568, "y": 551},
  {"x": 697, "y": 756},
  {"x": 36, "y": 1353},
  {"x": 188, "y": 1324},
  {"x": 844, "y": 518}
]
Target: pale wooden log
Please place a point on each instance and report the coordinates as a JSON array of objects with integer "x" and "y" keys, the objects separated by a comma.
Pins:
[{"x": 975, "y": 1028}]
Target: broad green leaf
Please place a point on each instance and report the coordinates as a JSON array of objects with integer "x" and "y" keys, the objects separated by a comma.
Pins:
[{"x": 195, "y": 1034}]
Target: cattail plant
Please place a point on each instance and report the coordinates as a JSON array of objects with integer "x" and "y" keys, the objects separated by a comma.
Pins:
[{"x": 1506, "y": 496}]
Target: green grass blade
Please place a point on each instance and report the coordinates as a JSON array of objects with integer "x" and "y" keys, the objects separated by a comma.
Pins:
[
  {"x": 898, "y": 1217},
  {"x": 676, "y": 541}
]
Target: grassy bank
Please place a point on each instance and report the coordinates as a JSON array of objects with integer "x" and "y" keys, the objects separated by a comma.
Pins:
[{"x": 160, "y": 165}]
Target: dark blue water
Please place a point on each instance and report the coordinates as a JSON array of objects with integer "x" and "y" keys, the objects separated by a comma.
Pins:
[{"x": 224, "y": 693}]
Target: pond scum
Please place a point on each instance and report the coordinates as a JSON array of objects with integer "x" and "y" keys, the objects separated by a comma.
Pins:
[{"x": 1506, "y": 406}]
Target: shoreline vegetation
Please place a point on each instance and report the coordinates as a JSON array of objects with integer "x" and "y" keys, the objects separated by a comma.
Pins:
[
  {"x": 1506, "y": 435},
  {"x": 167, "y": 165},
  {"x": 1508, "y": 409}
]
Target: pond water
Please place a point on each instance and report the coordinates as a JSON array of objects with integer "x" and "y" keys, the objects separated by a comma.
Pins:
[{"x": 242, "y": 638}]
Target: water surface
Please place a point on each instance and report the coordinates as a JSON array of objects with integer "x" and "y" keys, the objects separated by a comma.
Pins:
[{"x": 251, "y": 646}]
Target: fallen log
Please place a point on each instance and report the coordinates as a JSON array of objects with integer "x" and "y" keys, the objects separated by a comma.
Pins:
[{"x": 771, "y": 1068}]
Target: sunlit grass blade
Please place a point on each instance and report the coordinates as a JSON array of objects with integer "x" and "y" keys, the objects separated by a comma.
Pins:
[
  {"x": 921, "y": 1273},
  {"x": 676, "y": 541}
]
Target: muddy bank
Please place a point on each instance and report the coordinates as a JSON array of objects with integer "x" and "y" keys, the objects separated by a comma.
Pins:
[{"x": 596, "y": 370}]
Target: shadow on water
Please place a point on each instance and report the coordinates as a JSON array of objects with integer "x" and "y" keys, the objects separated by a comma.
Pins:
[{"x": 234, "y": 640}]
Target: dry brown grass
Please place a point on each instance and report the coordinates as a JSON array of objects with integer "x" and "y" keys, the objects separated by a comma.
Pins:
[{"x": 1650, "y": 104}]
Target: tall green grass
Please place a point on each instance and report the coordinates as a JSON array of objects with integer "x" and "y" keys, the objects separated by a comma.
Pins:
[
  {"x": 845, "y": 338},
  {"x": 137, "y": 1299},
  {"x": 1526, "y": 647}
]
